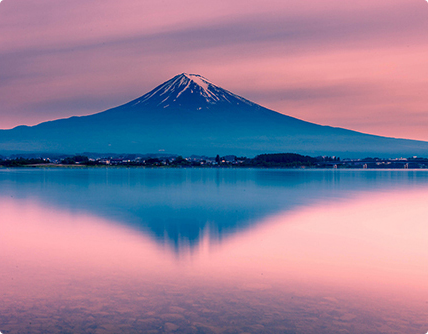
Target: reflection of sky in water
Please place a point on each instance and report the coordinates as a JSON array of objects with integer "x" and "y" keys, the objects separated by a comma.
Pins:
[
  {"x": 175, "y": 205},
  {"x": 300, "y": 252}
]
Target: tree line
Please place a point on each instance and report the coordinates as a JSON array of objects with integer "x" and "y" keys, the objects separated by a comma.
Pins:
[{"x": 263, "y": 160}]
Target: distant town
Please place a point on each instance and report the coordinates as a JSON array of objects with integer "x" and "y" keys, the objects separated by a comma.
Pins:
[{"x": 278, "y": 160}]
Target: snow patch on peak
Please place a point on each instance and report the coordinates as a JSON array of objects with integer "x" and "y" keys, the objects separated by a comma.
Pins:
[
  {"x": 173, "y": 89},
  {"x": 204, "y": 84},
  {"x": 199, "y": 80}
]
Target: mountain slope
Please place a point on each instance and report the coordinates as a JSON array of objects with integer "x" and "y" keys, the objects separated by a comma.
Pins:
[{"x": 188, "y": 114}]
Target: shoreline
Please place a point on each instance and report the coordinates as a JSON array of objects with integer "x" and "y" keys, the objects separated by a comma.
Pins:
[{"x": 77, "y": 166}]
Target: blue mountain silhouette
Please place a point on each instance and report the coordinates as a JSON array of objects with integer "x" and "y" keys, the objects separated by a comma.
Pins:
[{"x": 188, "y": 114}]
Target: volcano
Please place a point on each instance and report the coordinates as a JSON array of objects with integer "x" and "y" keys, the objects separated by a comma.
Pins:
[{"x": 189, "y": 114}]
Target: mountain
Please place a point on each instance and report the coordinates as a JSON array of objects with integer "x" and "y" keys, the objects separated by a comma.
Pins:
[{"x": 189, "y": 114}]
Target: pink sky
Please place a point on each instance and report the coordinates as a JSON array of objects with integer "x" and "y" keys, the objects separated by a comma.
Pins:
[{"x": 361, "y": 65}]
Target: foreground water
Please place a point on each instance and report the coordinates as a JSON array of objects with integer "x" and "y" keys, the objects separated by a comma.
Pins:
[{"x": 213, "y": 251}]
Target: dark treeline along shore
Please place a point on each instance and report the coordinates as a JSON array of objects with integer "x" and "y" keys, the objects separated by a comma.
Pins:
[{"x": 276, "y": 160}]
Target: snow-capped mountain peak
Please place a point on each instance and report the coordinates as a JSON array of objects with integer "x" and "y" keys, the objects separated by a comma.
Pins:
[{"x": 189, "y": 91}]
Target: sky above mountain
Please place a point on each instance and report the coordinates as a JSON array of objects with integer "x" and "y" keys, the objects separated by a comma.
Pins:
[{"x": 359, "y": 65}]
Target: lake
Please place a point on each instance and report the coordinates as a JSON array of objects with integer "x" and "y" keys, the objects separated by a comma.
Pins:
[{"x": 108, "y": 250}]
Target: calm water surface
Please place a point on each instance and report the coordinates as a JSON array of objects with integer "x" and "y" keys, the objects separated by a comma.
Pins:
[{"x": 213, "y": 251}]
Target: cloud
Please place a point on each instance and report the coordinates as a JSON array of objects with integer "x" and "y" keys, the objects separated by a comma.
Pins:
[{"x": 300, "y": 33}]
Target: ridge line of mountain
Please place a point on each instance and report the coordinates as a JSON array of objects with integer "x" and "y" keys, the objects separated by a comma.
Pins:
[{"x": 191, "y": 115}]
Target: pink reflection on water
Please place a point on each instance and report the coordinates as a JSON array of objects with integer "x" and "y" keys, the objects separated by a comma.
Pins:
[
  {"x": 43, "y": 247},
  {"x": 372, "y": 243},
  {"x": 365, "y": 254}
]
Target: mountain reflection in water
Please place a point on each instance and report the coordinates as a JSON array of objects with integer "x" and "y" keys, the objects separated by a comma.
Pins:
[
  {"x": 213, "y": 251},
  {"x": 177, "y": 206}
]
